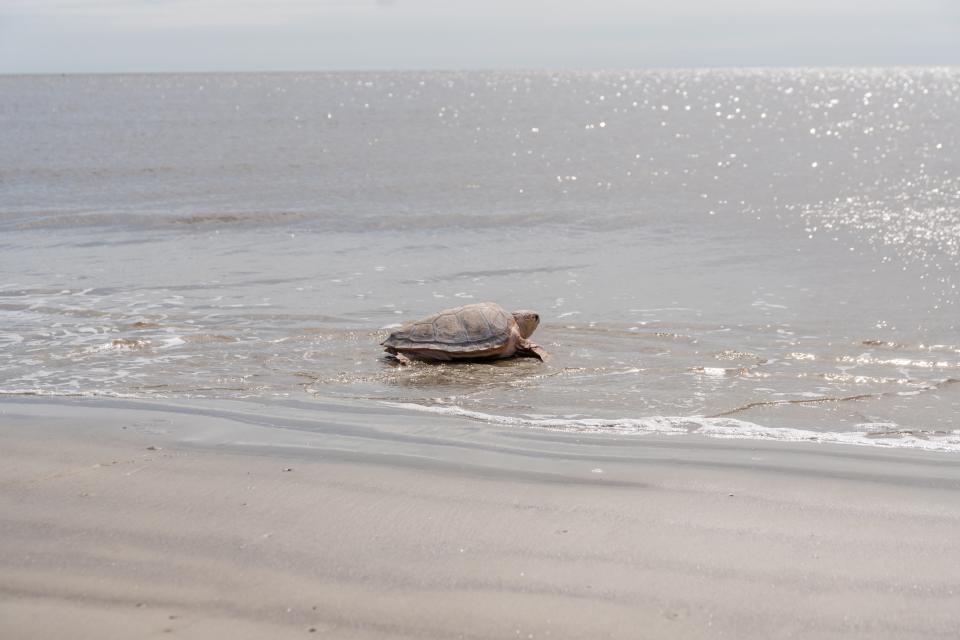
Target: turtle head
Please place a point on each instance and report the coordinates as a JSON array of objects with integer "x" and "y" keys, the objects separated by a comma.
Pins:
[{"x": 527, "y": 321}]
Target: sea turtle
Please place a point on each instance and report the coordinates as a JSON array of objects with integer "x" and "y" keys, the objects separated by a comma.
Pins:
[{"x": 471, "y": 332}]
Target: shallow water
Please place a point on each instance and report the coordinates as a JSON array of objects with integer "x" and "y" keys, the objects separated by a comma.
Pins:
[{"x": 768, "y": 254}]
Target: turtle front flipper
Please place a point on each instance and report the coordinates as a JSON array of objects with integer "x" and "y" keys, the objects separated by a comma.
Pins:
[{"x": 532, "y": 350}]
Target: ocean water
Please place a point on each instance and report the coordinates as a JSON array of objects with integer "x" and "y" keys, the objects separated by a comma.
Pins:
[{"x": 734, "y": 253}]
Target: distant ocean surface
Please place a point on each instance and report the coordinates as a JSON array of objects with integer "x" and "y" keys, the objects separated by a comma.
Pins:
[{"x": 760, "y": 253}]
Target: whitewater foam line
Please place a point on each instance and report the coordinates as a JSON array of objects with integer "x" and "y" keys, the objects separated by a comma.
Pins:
[
  {"x": 53, "y": 393},
  {"x": 715, "y": 427}
]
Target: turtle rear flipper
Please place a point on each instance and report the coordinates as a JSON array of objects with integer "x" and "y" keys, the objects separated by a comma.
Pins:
[{"x": 396, "y": 356}]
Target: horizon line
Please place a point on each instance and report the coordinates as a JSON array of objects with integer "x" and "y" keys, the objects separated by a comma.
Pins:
[{"x": 531, "y": 70}]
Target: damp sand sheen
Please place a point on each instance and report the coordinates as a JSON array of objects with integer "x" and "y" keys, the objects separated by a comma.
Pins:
[{"x": 747, "y": 283}]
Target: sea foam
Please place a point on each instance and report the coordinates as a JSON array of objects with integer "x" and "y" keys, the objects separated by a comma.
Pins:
[{"x": 710, "y": 427}]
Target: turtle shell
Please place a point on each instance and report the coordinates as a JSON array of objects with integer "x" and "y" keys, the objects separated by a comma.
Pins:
[{"x": 474, "y": 327}]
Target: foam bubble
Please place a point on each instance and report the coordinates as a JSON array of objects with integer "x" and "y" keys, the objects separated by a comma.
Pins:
[{"x": 172, "y": 341}]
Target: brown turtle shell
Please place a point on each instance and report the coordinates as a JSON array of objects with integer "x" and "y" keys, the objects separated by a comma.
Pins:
[{"x": 474, "y": 327}]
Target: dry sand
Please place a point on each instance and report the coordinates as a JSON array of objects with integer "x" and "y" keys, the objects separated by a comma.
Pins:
[{"x": 120, "y": 520}]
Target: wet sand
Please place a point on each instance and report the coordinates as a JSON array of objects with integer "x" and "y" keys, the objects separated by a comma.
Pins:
[{"x": 130, "y": 520}]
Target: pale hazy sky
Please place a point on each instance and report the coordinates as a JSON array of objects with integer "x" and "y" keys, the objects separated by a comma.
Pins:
[{"x": 51, "y": 36}]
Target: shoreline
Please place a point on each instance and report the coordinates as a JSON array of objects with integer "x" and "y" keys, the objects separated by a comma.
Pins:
[
  {"x": 127, "y": 519},
  {"x": 697, "y": 428}
]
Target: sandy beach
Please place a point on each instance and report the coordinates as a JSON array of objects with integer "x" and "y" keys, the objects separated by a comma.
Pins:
[{"x": 136, "y": 520}]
